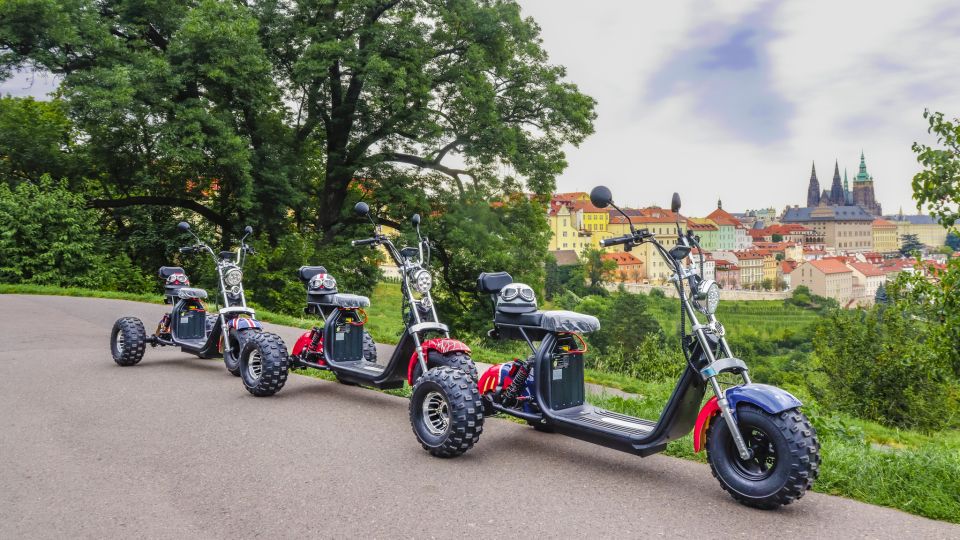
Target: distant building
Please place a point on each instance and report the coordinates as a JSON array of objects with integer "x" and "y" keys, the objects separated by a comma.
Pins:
[
  {"x": 725, "y": 220},
  {"x": 727, "y": 274},
  {"x": 708, "y": 232},
  {"x": 928, "y": 230},
  {"x": 629, "y": 268},
  {"x": 829, "y": 278},
  {"x": 867, "y": 278},
  {"x": 843, "y": 228},
  {"x": 884, "y": 234}
]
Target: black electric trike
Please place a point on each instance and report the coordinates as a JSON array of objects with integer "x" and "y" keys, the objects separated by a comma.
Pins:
[
  {"x": 759, "y": 445},
  {"x": 190, "y": 326},
  {"x": 445, "y": 409}
]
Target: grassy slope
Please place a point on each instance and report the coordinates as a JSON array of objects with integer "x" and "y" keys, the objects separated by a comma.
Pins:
[{"x": 908, "y": 470}]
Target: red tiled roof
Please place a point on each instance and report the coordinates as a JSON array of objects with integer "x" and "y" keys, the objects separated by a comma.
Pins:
[
  {"x": 866, "y": 269},
  {"x": 623, "y": 258},
  {"x": 884, "y": 223},
  {"x": 722, "y": 217},
  {"x": 788, "y": 266},
  {"x": 830, "y": 266},
  {"x": 694, "y": 226}
]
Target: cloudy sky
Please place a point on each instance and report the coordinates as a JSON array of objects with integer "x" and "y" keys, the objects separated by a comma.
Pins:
[{"x": 735, "y": 99}]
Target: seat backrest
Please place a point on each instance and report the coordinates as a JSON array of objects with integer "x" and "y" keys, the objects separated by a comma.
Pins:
[
  {"x": 307, "y": 272},
  {"x": 167, "y": 271},
  {"x": 492, "y": 282}
]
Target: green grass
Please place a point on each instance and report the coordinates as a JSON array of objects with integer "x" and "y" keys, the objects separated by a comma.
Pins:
[{"x": 912, "y": 471}]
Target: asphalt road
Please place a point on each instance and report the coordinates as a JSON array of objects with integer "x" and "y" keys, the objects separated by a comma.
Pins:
[{"x": 175, "y": 447}]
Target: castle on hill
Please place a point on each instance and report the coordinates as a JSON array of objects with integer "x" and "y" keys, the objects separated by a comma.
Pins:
[{"x": 840, "y": 194}]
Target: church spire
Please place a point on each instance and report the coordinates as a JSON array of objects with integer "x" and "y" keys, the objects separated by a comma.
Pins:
[
  {"x": 846, "y": 189},
  {"x": 813, "y": 190},
  {"x": 719, "y": 204},
  {"x": 837, "y": 197}
]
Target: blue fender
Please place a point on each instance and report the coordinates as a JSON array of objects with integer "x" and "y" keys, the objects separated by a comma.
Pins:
[{"x": 769, "y": 398}]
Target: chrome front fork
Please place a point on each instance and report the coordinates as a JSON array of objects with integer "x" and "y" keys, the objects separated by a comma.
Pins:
[{"x": 727, "y": 412}]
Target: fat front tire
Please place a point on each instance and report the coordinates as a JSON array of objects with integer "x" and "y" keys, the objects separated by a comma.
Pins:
[
  {"x": 238, "y": 338},
  {"x": 446, "y": 412},
  {"x": 786, "y": 457},
  {"x": 128, "y": 341},
  {"x": 264, "y": 364}
]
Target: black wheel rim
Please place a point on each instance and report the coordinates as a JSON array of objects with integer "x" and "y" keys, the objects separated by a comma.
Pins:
[{"x": 764, "y": 460}]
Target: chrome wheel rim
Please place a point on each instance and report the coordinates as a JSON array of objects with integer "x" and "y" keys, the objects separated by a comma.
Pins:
[
  {"x": 255, "y": 365},
  {"x": 120, "y": 343},
  {"x": 436, "y": 413}
]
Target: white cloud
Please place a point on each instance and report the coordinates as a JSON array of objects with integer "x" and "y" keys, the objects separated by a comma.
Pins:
[{"x": 857, "y": 75}]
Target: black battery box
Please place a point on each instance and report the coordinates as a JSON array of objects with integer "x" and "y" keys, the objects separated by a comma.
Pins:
[{"x": 566, "y": 374}]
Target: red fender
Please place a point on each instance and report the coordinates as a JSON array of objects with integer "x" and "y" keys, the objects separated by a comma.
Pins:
[
  {"x": 441, "y": 345},
  {"x": 303, "y": 346},
  {"x": 490, "y": 379},
  {"x": 709, "y": 410}
]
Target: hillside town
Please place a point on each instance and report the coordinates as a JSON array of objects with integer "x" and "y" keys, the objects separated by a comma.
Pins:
[{"x": 839, "y": 244}]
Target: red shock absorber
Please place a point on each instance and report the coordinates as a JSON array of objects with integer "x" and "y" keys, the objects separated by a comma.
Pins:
[
  {"x": 516, "y": 385},
  {"x": 315, "y": 335}
]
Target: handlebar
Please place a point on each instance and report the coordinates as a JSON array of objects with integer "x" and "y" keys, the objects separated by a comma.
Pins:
[
  {"x": 635, "y": 238},
  {"x": 189, "y": 249},
  {"x": 365, "y": 242}
]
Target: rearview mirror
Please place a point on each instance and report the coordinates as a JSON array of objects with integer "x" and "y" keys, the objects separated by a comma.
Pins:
[
  {"x": 362, "y": 209},
  {"x": 415, "y": 219},
  {"x": 183, "y": 226},
  {"x": 601, "y": 197},
  {"x": 248, "y": 230},
  {"x": 675, "y": 203}
]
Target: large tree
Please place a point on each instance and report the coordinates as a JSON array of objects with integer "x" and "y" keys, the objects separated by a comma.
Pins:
[{"x": 256, "y": 110}]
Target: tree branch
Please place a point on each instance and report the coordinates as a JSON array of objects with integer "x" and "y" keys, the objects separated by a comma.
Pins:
[{"x": 150, "y": 200}]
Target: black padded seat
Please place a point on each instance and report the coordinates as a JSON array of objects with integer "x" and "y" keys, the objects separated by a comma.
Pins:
[
  {"x": 306, "y": 273},
  {"x": 187, "y": 293},
  {"x": 167, "y": 271},
  {"x": 551, "y": 321},
  {"x": 346, "y": 301}
]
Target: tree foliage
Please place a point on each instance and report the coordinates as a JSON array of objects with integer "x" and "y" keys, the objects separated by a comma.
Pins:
[
  {"x": 910, "y": 245},
  {"x": 46, "y": 239},
  {"x": 282, "y": 115},
  {"x": 937, "y": 186}
]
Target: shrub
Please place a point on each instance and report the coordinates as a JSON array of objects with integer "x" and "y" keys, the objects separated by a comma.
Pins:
[
  {"x": 48, "y": 237},
  {"x": 879, "y": 365}
]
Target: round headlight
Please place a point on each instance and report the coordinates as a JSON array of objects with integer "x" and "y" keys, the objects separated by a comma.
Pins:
[
  {"x": 233, "y": 277},
  {"x": 708, "y": 297},
  {"x": 422, "y": 281}
]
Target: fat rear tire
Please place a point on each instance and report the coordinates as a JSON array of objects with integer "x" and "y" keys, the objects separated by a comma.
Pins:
[
  {"x": 797, "y": 457},
  {"x": 128, "y": 341},
  {"x": 458, "y": 419},
  {"x": 238, "y": 338},
  {"x": 264, "y": 364},
  {"x": 369, "y": 348}
]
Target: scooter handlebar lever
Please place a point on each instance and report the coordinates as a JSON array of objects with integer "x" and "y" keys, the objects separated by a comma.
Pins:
[{"x": 365, "y": 242}]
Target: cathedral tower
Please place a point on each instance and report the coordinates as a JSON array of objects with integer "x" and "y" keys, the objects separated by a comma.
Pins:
[
  {"x": 863, "y": 195},
  {"x": 813, "y": 191}
]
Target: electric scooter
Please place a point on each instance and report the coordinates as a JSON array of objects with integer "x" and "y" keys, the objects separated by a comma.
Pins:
[
  {"x": 760, "y": 447},
  {"x": 445, "y": 410},
  {"x": 193, "y": 329}
]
